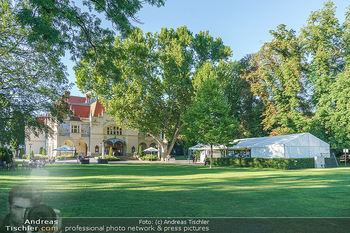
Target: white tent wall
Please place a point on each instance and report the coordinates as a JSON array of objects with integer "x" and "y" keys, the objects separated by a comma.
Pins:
[
  {"x": 304, "y": 145},
  {"x": 269, "y": 151}
]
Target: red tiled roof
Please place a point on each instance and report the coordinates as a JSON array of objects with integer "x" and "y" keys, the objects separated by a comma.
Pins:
[
  {"x": 80, "y": 110},
  {"x": 76, "y": 100},
  {"x": 97, "y": 109}
]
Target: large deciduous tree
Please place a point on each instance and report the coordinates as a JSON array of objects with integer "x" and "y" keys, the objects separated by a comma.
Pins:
[
  {"x": 76, "y": 27},
  {"x": 151, "y": 86},
  {"x": 208, "y": 120},
  {"x": 32, "y": 78},
  {"x": 323, "y": 39},
  {"x": 279, "y": 80}
]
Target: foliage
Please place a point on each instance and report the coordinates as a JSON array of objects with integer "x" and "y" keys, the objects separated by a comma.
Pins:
[
  {"x": 150, "y": 157},
  {"x": 110, "y": 152},
  {"x": 41, "y": 150},
  {"x": 5, "y": 155},
  {"x": 140, "y": 151},
  {"x": 208, "y": 120},
  {"x": 62, "y": 157},
  {"x": 110, "y": 158},
  {"x": 152, "y": 79},
  {"x": 69, "y": 27},
  {"x": 278, "y": 81},
  {"x": 302, "y": 79},
  {"x": 278, "y": 163},
  {"x": 44, "y": 151},
  {"x": 32, "y": 78},
  {"x": 247, "y": 108},
  {"x": 38, "y": 157},
  {"x": 32, "y": 154}
]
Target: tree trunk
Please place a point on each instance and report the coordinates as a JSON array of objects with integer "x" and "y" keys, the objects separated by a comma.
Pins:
[{"x": 211, "y": 156}]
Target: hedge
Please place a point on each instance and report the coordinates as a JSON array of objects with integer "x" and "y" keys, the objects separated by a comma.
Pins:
[
  {"x": 110, "y": 158},
  {"x": 5, "y": 155},
  {"x": 278, "y": 163},
  {"x": 150, "y": 157}
]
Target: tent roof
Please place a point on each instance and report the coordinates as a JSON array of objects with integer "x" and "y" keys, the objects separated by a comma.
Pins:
[
  {"x": 291, "y": 139},
  {"x": 64, "y": 148},
  {"x": 207, "y": 147}
]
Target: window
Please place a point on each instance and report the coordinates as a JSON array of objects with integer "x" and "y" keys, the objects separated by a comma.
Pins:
[
  {"x": 75, "y": 129},
  {"x": 113, "y": 130}
]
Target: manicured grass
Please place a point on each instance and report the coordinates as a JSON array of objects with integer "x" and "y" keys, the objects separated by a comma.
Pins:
[{"x": 166, "y": 190}]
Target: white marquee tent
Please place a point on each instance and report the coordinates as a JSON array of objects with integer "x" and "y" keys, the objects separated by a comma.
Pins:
[{"x": 303, "y": 145}]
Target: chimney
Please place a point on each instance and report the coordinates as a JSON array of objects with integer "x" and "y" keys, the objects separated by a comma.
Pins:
[{"x": 88, "y": 99}]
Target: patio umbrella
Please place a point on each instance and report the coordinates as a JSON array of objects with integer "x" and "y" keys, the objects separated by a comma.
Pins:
[
  {"x": 151, "y": 149},
  {"x": 64, "y": 148}
]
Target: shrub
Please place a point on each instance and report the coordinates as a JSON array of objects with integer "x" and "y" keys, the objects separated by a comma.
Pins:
[
  {"x": 5, "y": 155},
  {"x": 110, "y": 153},
  {"x": 37, "y": 157},
  {"x": 66, "y": 156},
  {"x": 32, "y": 154},
  {"x": 150, "y": 157},
  {"x": 140, "y": 151},
  {"x": 41, "y": 150},
  {"x": 44, "y": 151},
  {"x": 278, "y": 163},
  {"x": 110, "y": 158}
]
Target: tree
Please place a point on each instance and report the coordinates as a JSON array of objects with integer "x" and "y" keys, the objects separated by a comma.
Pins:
[
  {"x": 279, "y": 81},
  {"x": 140, "y": 151},
  {"x": 69, "y": 27},
  {"x": 247, "y": 108},
  {"x": 32, "y": 79},
  {"x": 325, "y": 45},
  {"x": 208, "y": 120},
  {"x": 152, "y": 86},
  {"x": 5, "y": 155}
]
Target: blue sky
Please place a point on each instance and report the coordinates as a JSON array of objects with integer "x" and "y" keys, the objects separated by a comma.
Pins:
[{"x": 242, "y": 24}]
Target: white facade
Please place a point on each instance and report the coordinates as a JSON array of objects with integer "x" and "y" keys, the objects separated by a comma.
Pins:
[{"x": 90, "y": 131}]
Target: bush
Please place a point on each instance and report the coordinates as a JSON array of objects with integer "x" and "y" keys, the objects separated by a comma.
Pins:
[
  {"x": 67, "y": 157},
  {"x": 37, "y": 157},
  {"x": 110, "y": 158},
  {"x": 5, "y": 155},
  {"x": 140, "y": 151},
  {"x": 150, "y": 157},
  {"x": 41, "y": 150},
  {"x": 44, "y": 151},
  {"x": 278, "y": 163}
]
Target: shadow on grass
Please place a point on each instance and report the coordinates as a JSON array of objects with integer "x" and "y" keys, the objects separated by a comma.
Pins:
[{"x": 163, "y": 190}]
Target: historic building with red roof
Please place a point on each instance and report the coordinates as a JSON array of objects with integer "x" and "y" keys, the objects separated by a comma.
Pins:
[{"x": 90, "y": 130}]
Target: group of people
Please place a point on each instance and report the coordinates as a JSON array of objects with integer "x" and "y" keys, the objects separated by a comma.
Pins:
[
  {"x": 78, "y": 158},
  {"x": 34, "y": 164}
]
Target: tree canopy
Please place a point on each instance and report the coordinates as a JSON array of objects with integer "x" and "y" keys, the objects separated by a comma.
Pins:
[
  {"x": 32, "y": 80},
  {"x": 302, "y": 79},
  {"x": 152, "y": 85},
  {"x": 208, "y": 120}
]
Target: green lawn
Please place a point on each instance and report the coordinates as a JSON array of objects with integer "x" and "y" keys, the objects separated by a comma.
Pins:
[{"x": 166, "y": 190}]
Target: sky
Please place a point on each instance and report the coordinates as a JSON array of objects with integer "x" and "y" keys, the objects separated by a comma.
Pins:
[{"x": 243, "y": 25}]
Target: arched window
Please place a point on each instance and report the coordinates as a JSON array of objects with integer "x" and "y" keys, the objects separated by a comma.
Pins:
[{"x": 120, "y": 131}]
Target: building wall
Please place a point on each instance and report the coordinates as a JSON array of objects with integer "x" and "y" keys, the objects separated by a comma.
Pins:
[{"x": 88, "y": 141}]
